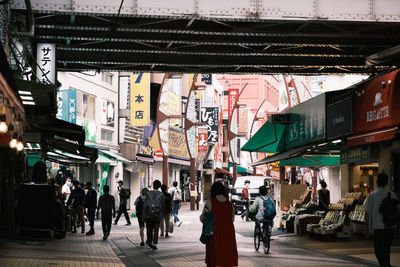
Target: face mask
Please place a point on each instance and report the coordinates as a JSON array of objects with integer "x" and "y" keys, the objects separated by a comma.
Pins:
[{"x": 69, "y": 183}]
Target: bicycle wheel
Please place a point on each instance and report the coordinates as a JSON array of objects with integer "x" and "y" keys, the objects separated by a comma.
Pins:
[
  {"x": 267, "y": 240},
  {"x": 257, "y": 238}
]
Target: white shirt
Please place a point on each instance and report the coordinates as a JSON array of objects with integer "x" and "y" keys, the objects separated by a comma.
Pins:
[
  {"x": 66, "y": 190},
  {"x": 374, "y": 201}
]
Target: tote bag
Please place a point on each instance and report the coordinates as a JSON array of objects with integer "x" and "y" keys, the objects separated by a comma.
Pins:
[{"x": 208, "y": 227}]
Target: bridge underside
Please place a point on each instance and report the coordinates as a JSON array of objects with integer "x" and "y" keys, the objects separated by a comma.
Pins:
[{"x": 90, "y": 41}]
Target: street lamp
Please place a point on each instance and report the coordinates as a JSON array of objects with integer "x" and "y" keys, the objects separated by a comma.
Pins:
[{"x": 190, "y": 133}]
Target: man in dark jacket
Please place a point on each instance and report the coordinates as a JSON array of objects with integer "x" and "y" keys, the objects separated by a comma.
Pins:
[
  {"x": 91, "y": 205},
  {"x": 76, "y": 200},
  {"x": 123, "y": 200}
]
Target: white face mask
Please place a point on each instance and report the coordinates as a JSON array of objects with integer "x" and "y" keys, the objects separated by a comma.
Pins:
[{"x": 69, "y": 183}]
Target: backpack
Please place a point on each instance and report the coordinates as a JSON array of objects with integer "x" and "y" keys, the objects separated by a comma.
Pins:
[
  {"x": 154, "y": 211},
  {"x": 177, "y": 195},
  {"x": 269, "y": 211},
  {"x": 128, "y": 193},
  {"x": 388, "y": 209}
]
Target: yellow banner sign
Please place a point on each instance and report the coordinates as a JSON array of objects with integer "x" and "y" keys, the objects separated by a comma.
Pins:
[
  {"x": 140, "y": 99},
  {"x": 177, "y": 144}
]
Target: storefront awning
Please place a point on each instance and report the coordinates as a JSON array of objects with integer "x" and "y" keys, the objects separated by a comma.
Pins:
[
  {"x": 179, "y": 161},
  {"x": 268, "y": 139},
  {"x": 222, "y": 171},
  {"x": 115, "y": 156},
  {"x": 281, "y": 156},
  {"x": 103, "y": 160},
  {"x": 311, "y": 160},
  {"x": 372, "y": 137},
  {"x": 240, "y": 169}
]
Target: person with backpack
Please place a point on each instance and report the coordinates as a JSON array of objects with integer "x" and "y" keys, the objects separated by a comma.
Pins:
[
  {"x": 124, "y": 195},
  {"x": 139, "y": 203},
  {"x": 381, "y": 216},
  {"x": 164, "y": 225},
  {"x": 264, "y": 206},
  {"x": 176, "y": 194},
  {"x": 153, "y": 208}
]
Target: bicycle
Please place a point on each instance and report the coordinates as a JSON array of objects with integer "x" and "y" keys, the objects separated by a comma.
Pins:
[{"x": 262, "y": 234}]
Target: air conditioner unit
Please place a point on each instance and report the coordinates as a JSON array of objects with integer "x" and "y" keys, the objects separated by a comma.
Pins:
[{"x": 280, "y": 118}]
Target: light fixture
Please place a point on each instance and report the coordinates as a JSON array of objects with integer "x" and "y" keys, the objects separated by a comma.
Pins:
[
  {"x": 29, "y": 103},
  {"x": 13, "y": 142},
  {"x": 175, "y": 76},
  {"x": 20, "y": 144},
  {"x": 29, "y": 98},
  {"x": 322, "y": 144},
  {"x": 336, "y": 141},
  {"x": 3, "y": 121},
  {"x": 370, "y": 171},
  {"x": 260, "y": 118},
  {"x": 24, "y": 92}
]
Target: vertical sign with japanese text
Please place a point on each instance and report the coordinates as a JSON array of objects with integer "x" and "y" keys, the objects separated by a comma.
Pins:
[
  {"x": 203, "y": 140},
  {"x": 140, "y": 99},
  {"x": 232, "y": 96},
  {"x": 209, "y": 116},
  {"x": 66, "y": 105},
  {"x": 46, "y": 63}
]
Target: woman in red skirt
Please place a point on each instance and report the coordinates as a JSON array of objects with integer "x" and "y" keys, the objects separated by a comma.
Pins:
[{"x": 221, "y": 250}]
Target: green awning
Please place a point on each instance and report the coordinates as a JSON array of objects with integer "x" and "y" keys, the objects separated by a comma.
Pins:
[
  {"x": 115, "y": 156},
  {"x": 268, "y": 139},
  {"x": 240, "y": 169},
  {"x": 102, "y": 159},
  {"x": 312, "y": 160}
]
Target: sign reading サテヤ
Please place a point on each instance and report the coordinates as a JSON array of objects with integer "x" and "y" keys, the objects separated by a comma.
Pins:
[{"x": 46, "y": 63}]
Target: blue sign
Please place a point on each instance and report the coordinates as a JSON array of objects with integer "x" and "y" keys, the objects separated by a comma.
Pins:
[{"x": 66, "y": 105}]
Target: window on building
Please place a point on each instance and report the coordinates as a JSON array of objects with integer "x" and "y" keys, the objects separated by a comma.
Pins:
[
  {"x": 107, "y": 77},
  {"x": 106, "y": 135},
  {"x": 85, "y": 105}
]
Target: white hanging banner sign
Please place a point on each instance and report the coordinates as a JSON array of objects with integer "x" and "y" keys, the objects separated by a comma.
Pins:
[{"x": 46, "y": 60}]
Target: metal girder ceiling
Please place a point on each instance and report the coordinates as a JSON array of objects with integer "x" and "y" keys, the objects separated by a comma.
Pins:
[{"x": 99, "y": 41}]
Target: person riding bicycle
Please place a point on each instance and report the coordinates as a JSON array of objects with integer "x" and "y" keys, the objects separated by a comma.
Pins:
[{"x": 263, "y": 205}]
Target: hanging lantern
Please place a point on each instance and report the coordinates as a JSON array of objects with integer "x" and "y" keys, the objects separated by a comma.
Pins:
[
  {"x": 20, "y": 144},
  {"x": 13, "y": 143},
  {"x": 3, "y": 121}
]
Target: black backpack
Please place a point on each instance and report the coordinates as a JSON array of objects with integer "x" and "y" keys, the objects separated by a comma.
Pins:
[
  {"x": 128, "y": 193},
  {"x": 389, "y": 211}
]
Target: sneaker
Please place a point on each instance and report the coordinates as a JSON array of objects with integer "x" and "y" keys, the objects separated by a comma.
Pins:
[
  {"x": 162, "y": 234},
  {"x": 128, "y": 224},
  {"x": 153, "y": 247},
  {"x": 142, "y": 244},
  {"x": 166, "y": 235},
  {"x": 179, "y": 223},
  {"x": 106, "y": 235},
  {"x": 91, "y": 232}
]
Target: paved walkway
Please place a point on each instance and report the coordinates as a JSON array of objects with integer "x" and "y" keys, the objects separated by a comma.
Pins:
[{"x": 182, "y": 249}]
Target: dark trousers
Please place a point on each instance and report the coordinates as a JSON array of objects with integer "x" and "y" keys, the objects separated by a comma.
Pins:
[
  {"x": 383, "y": 239},
  {"x": 106, "y": 219},
  {"x": 175, "y": 209},
  {"x": 122, "y": 209},
  {"x": 91, "y": 213},
  {"x": 246, "y": 213},
  {"x": 152, "y": 231}
]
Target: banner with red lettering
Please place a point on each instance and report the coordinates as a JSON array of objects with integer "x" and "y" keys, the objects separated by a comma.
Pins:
[
  {"x": 376, "y": 103},
  {"x": 232, "y": 96}
]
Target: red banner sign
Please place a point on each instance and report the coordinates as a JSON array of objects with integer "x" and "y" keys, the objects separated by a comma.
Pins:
[
  {"x": 232, "y": 96},
  {"x": 376, "y": 103}
]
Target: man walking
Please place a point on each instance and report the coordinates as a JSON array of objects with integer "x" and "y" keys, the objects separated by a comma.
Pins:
[
  {"x": 246, "y": 200},
  {"x": 164, "y": 225},
  {"x": 154, "y": 205},
  {"x": 77, "y": 200},
  {"x": 383, "y": 234},
  {"x": 66, "y": 189},
  {"x": 107, "y": 206},
  {"x": 91, "y": 205},
  {"x": 123, "y": 200},
  {"x": 176, "y": 194}
]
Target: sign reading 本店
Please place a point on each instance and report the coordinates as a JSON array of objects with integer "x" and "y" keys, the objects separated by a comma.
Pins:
[
  {"x": 232, "y": 96},
  {"x": 140, "y": 99},
  {"x": 209, "y": 115},
  {"x": 46, "y": 63},
  {"x": 107, "y": 113},
  {"x": 66, "y": 105}
]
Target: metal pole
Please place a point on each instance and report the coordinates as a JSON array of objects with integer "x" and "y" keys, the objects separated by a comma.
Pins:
[
  {"x": 165, "y": 170},
  {"x": 192, "y": 183}
]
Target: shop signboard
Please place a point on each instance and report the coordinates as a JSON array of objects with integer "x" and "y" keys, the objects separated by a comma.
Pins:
[
  {"x": 376, "y": 104},
  {"x": 46, "y": 63},
  {"x": 90, "y": 130},
  {"x": 308, "y": 122},
  {"x": 232, "y": 97},
  {"x": 107, "y": 113},
  {"x": 357, "y": 154},
  {"x": 146, "y": 151},
  {"x": 177, "y": 144},
  {"x": 339, "y": 114},
  {"x": 203, "y": 140},
  {"x": 66, "y": 105},
  {"x": 191, "y": 116},
  {"x": 206, "y": 78},
  {"x": 140, "y": 99},
  {"x": 209, "y": 115}
]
